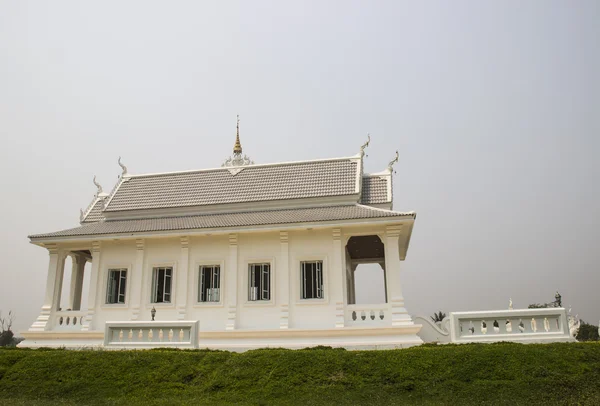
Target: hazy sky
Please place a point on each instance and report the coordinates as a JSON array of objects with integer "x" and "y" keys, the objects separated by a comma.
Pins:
[{"x": 493, "y": 106}]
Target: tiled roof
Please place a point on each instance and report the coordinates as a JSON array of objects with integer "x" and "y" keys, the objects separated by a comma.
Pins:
[
  {"x": 296, "y": 180},
  {"x": 95, "y": 213},
  {"x": 375, "y": 190},
  {"x": 223, "y": 220}
]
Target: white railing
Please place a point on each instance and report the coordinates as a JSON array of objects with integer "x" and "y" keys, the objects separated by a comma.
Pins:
[
  {"x": 546, "y": 324},
  {"x": 368, "y": 314},
  {"x": 148, "y": 334},
  {"x": 68, "y": 320}
]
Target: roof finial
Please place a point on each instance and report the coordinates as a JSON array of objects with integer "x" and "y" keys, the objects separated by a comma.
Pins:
[
  {"x": 365, "y": 145},
  {"x": 393, "y": 161},
  {"x": 81, "y": 215},
  {"x": 237, "y": 148},
  {"x": 98, "y": 186},
  {"x": 122, "y": 167}
]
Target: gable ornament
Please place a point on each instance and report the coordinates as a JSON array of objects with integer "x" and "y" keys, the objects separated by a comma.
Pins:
[
  {"x": 393, "y": 161},
  {"x": 365, "y": 145},
  {"x": 98, "y": 186},
  {"x": 123, "y": 167}
]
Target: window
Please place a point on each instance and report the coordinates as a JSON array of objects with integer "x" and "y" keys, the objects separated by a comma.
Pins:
[
  {"x": 209, "y": 283},
  {"x": 162, "y": 280},
  {"x": 259, "y": 282},
  {"x": 312, "y": 280},
  {"x": 115, "y": 291}
]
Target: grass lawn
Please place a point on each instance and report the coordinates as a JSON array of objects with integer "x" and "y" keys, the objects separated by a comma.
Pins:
[{"x": 450, "y": 374}]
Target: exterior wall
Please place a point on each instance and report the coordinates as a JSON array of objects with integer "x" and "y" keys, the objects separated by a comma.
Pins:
[
  {"x": 235, "y": 322},
  {"x": 208, "y": 250}
]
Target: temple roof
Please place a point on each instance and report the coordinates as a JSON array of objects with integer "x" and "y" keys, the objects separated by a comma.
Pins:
[
  {"x": 376, "y": 189},
  {"x": 226, "y": 220},
  {"x": 251, "y": 183}
]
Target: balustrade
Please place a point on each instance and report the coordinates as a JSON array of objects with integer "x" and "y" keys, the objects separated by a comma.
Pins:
[
  {"x": 368, "y": 314},
  {"x": 151, "y": 334},
  {"x": 69, "y": 320},
  {"x": 510, "y": 325}
]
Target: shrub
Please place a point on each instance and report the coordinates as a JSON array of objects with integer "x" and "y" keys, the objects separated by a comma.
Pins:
[{"x": 587, "y": 332}]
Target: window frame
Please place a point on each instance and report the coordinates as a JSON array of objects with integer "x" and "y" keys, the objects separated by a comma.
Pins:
[
  {"x": 106, "y": 275},
  {"x": 318, "y": 289},
  {"x": 299, "y": 279},
  {"x": 196, "y": 283},
  {"x": 148, "y": 278},
  {"x": 154, "y": 286},
  {"x": 260, "y": 289},
  {"x": 244, "y": 281}
]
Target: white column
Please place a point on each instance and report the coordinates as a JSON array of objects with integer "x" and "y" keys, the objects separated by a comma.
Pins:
[
  {"x": 231, "y": 272},
  {"x": 283, "y": 279},
  {"x": 76, "y": 281},
  {"x": 95, "y": 283},
  {"x": 182, "y": 278},
  {"x": 136, "y": 279},
  {"x": 55, "y": 263},
  {"x": 400, "y": 316},
  {"x": 337, "y": 281}
]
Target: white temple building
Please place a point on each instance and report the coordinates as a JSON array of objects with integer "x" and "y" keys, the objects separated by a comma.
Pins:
[{"x": 237, "y": 257}]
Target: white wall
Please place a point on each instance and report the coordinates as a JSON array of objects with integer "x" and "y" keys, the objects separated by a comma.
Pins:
[{"x": 215, "y": 249}]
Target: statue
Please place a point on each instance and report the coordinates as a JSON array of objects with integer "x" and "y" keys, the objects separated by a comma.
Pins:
[
  {"x": 510, "y": 304},
  {"x": 574, "y": 324}
]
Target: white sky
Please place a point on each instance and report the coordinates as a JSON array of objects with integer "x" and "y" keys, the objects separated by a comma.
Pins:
[{"x": 494, "y": 107}]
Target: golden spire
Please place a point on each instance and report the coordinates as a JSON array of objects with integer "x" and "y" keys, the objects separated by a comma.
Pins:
[{"x": 237, "y": 148}]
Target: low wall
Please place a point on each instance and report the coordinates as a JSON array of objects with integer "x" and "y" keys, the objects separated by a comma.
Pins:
[{"x": 521, "y": 325}]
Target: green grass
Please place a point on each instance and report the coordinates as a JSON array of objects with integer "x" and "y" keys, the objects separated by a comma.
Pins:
[{"x": 450, "y": 374}]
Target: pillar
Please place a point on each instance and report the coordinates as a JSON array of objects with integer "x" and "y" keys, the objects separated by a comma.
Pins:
[
  {"x": 55, "y": 265},
  {"x": 400, "y": 316},
  {"x": 182, "y": 278},
  {"x": 136, "y": 276},
  {"x": 283, "y": 280},
  {"x": 231, "y": 272},
  {"x": 337, "y": 284},
  {"x": 94, "y": 283}
]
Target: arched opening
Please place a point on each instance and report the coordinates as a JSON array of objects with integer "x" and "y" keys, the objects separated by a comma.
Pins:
[
  {"x": 64, "y": 300},
  {"x": 73, "y": 290},
  {"x": 369, "y": 282},
  {"x": 365, "y": 270}
]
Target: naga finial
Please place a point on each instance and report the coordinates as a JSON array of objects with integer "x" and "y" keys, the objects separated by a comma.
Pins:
[
  {"x": 393, "y": 161},
  {"x": 122, "y": 167},
  {"x": 81, "y": 216},
  {"x": 97, "y": 185},
  {"x": 365, "y": 145}
]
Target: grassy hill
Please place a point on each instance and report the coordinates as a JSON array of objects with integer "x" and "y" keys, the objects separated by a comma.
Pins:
[{"x": 450, "y": 374}]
